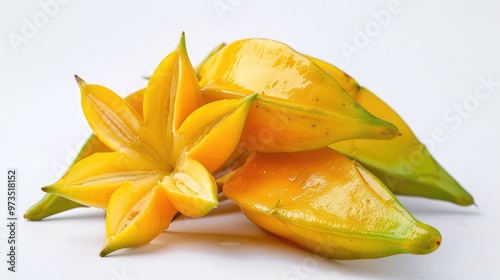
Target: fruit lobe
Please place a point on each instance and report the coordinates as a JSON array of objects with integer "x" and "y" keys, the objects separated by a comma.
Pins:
[
  {"x": 52, "y": 204},
  {"x": 136, "y": 216},
  {"x": 326, "y": 203},
  {"x": 299, "y": 107},
  {"x": 403, "y": 163}
]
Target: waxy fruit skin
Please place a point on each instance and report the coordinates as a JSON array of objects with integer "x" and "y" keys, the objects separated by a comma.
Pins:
[
  {"x": 403, "y": 163},
  {"x": 160, "y": 159},
  {"x": 328, "y": 204},
  {"x": 261, "y": 118},
  {"x": 299, "y": 107},
  {"x": 52, "y": 204}
]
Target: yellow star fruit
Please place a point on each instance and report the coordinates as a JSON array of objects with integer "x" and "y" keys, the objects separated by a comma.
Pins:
[
  {"x": 328, "y": 204},
  {"x": 403, "y": 163},
  {"x": 299, "y": 107},
  {"x": 154, "y": 154},
  {"x": 158, "y": 163}
]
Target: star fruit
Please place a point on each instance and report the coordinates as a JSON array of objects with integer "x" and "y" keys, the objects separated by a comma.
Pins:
[
  {"x": 52, "y": 204},
  {"x": 299, "y": 107},
  {"x": 404, "y": 164},
  {"x": 160, "y": 163},
  {"x": 328, "y": 204},
  {"x": 320, "y": 199}
]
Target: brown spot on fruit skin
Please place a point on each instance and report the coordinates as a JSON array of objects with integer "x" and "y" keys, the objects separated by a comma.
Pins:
[{"x": 132, "y": 215}]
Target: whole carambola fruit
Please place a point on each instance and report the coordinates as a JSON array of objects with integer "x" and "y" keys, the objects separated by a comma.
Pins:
[
  {"x": 298, "y": 107},
  {"x": 326, "y": 203},
  {"x": 402, "y": 163}
]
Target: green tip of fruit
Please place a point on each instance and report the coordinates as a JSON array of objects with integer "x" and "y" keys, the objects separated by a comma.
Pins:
[
  {"x": 425, "y": 239},
  {"x": 389, "y": 131},
  {"x": 381, "y": 129},
  {"x": 108, "y": 248},
  {"x": 444, "y": 186},
  {"x": 372, "y": 127},
  {"x": 464, "y": 199},
  {"x": 49, "y": 189},
  {"x": 182, "y": 42},
  {"x": 425, "y": 179},
  {"x": 103, "y": 253},
  {"x": 252, "y": 97},
  {"x": 50, "y": 205}
]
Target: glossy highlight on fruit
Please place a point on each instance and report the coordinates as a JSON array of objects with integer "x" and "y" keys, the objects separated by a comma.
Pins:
[
  {"x": 287, "y": 137},
  {"x": 155, "y": 167},
  {"x": 328, "y": 204},
  {"x": 299, "y": 106}
]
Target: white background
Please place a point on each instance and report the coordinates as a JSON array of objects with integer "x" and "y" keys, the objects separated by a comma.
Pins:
[{"x": 428, "y": 59}]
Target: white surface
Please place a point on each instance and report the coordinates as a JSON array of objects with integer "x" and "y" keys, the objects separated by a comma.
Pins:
[{"x": 428, "y": 58}]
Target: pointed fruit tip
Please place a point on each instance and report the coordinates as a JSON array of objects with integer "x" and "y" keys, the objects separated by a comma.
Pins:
[
  {"x": 33, "y": 215},
  {"x": 377, "y": 128},
  {"x": 102, "y": 253},
  {"x": 48, "y": 189},
  {"x": 390, "y": 131},
  {"x": 465, "y": 200},
  {"x": 182, "y": 41},
  {"x": 427, "y": 239},
  {"x": 79, "y": 81},
  {"x": 252, "y": 97},
  {"x": 106, "y": 249}
]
